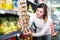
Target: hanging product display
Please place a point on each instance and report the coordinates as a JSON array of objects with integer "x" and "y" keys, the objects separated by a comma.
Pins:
[{"x": 24, "y": 17}]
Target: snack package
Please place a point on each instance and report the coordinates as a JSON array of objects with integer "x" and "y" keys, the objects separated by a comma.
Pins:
[
  {"x": 9, "y": 5},
  {"x": 2, "y": 4}
]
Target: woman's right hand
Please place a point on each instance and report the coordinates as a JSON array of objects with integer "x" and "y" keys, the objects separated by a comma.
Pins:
[{"x": 19, "y": 24}]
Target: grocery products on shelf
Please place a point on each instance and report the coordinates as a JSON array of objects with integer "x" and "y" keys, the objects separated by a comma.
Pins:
[
  {"x": 2, "y": 4},
  {"x": 15, "y": 2},
  {"x": 8, "y": 21},
  {"x": 8, "y": 25},
  {"x": 9, "y": 5},
  {"x": 24, "y": 17}
]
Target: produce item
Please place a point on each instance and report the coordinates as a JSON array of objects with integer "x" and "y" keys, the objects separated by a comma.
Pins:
[
  {"x": 23, "y": 9},
  {"x": 8, "y": 25},
  {"x": 0, "y": 21},
  {"x": 4, "y": 21},
  {"x": 25, "y": 22},
  {"x": 22, "y": 3},
  {"x": 28, "y": 38},
  {"x": 24, "y": 17},
  {"x": 24, "y": 13}
]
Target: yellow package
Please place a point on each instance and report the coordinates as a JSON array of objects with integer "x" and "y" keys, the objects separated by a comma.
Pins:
[
  {"x": 2, "y": 4},
  {"x": 9, "y": 5}
]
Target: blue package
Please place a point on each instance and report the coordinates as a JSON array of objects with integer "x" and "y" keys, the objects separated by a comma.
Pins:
[{"x": 15, "y": 4}]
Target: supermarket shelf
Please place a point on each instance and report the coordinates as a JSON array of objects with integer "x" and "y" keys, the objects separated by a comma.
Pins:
[
  {"x": 7, "y": 15},
  {"x": 11, "y": 11},
  {"x": 2, "y": 37},
  {"x": 4, "y": 13}
]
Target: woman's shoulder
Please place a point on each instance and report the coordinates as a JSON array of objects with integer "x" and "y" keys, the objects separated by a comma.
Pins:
[{"x": 49, "y": 18}]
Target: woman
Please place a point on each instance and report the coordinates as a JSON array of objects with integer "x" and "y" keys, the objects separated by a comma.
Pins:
[{"x": 42, "y": 22}]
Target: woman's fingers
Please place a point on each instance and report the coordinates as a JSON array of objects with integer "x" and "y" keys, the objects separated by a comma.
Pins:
[
  {"x": 19, "y": 24},
  {"x": 27, "y": 32}
]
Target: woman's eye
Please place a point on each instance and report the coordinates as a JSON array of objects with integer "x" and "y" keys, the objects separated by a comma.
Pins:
[{"x": 40, "y": 11}]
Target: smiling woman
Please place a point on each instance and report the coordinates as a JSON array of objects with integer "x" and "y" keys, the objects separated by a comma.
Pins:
[{"x": 42, "y": 23}]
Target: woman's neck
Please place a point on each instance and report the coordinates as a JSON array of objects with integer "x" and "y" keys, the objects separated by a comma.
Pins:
[{"x": 40, "y": 17}]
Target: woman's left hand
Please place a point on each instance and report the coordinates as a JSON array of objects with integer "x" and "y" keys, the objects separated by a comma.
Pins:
[{"x": 54, "y": 34}]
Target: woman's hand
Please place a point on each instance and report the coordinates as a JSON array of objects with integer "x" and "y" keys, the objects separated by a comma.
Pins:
[
  {"x": 27, "y": 32},
  {"x": 19, "y": 23},
  {"x": 54, "y": 34}
]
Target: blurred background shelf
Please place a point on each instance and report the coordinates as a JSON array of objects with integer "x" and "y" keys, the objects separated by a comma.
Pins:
[
  {"x": 2, "y": 37},
  {"x": 8, "y": 14},
  {"x": 4, "y": 13}
]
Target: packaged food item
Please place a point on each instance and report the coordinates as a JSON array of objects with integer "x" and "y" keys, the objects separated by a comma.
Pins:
[
  {"x": 22, "y": 1},
  {"x": 2, "y": 4},
  {"x": 26, "y": 22},
  {"x": 9, "y": 5},
  {"x": 26, "y": 25},
  {"x": 15, "y": 4},
  {"x": 24, "y": 17},
  {"x": 24, "y": 13},
  {"x": 23, "y": 9},
  {"x": 23, "y": 6}
]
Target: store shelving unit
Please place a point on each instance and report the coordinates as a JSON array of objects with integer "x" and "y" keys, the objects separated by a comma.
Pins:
[
  {"x": 8, "y": 13},
  {"x": 4, "y": 13},
  {"x": 2, "y": 37}
]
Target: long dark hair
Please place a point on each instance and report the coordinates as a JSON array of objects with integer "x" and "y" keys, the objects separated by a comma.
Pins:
[{"x": 44, "y": 6}]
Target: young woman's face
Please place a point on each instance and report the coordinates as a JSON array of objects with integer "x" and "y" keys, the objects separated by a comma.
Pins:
[{"x": 39, "y": 12}]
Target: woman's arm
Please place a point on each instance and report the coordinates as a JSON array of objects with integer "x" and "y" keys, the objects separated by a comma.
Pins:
[{"x": 44, "y": 29}]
